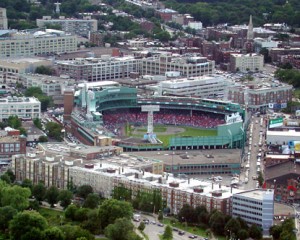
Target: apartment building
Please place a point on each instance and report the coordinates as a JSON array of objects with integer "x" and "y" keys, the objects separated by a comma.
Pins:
[
  {"x": 246, "y": 62},
  {"x": 188, "y": 66},
  {"x": 11, "y": 143},
  {"x": 277, "y": 53},
  {"x": 204, "y": 87},
  {"x": 99, "y": 69},
  {"x": 51, "y": 162},
  {"x": 81, "y": 27},
  {"x": 23, "y": 107},
  {"x": 11, "y": 68},
  {"x": 259, "y": 97},
  {"x": 24, "y": 44},
  {"x": 3, "y": 19},
  {"x": 255, "y": 207}
]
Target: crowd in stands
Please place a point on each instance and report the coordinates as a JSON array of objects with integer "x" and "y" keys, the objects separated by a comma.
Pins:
[{"x": 114, "y": 119}]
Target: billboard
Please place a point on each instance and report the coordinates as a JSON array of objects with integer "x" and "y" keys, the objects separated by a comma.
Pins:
[{"x": 277, "y": 122}]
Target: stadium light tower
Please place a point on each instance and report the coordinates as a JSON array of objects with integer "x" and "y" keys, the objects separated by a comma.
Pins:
[
  {"x": 57, "y": 9},
  {"x": 150, "y": 109}
]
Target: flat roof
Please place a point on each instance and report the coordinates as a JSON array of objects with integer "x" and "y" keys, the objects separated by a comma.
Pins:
[
  {"x": 213, "y": 156},
  {"x": 290, "y": 133},
  {"x": 257, "y": 194},
  {"x": 98, "y": 84}
]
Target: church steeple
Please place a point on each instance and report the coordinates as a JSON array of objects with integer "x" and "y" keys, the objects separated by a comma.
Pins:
[{"x": 250, "y": 34}]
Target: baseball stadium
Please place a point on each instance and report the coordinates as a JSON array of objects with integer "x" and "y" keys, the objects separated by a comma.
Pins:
[{"x": 139, "y": 122}]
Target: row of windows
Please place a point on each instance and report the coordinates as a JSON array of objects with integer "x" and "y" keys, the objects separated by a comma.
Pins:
[{"x": 247, "y": 200}]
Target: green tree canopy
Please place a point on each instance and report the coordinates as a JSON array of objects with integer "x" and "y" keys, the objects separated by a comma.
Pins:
[
  {"x": 217, "y": 222},
  {"x": 122, "y": 229},
  {"x": 53, "y": 233},
  {"x": 74, "y": 232},
  {"x": 65, "y": 198},
  {"x": 16, "y": 197},
  {"x": 6, "y": 214},
  {"x": 39, "y": 191},
  {"x": 52, "y": 194},
  {"x": 92, "y": 201},
  {"x": 27, "y": 224},
  {"x": 255, "y": 232},
  {"x": 112, "y": 209},
  {"x": 84, "y": 190},
  {"x": 54, "y": 130},
  {"x": 14, "y": 122},
  {"x": 168, "y": 234}
]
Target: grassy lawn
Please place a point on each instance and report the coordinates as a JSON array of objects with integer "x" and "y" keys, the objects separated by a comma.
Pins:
[
  {"x": 188, "y": 132},
  {"x": 156, "y": 129},
  {"x": 193, "y": 230},
  {"x": 53, "y": 216}
]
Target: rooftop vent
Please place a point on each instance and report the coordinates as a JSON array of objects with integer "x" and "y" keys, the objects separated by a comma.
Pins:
[{"x": 174, "y": 184}]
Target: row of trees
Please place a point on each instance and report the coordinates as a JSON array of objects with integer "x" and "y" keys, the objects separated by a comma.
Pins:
[
  {"x": 148, "y": 201},
  {"x": 212, "y": 12},
  {"x": 290, "y": 76},
  {"x": 15, "y": 123},
  {"x": 219, "y": 223}
]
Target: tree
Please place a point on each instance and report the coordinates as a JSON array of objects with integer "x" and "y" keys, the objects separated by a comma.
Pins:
[
  {"x": 142, "y": 226},
  {"x": 11, "y": 175},
  {"x": 45, "y": 70},
  {"x": 53, "y": 233},
  {"x": 5, "y": 178},
  {"x": 275, "y": 231},
  {"x": 92, "y": 201},
  {"x": 255, "y": 232},
  {"x": 6, "y": 214},
  {"x": 112, "y": 209},
  {"x": 33, "y": 91},
  {"x": 75, "y": 232},
  {"x": 187, "y": 214},
  {"x": 243, "y": 234},
  {"x": 27, "y": 225},
  {"x": 202, "y": 214},
  {"x": 65, "y": 198},
  {"x": 84, "y": 190},
  {"x": 232, "y": 227},
  {"x": 93, "y": 223},
  {"x": 54, "y": 130},
  {"x": 27, "y": 183},
  {"x": 39, "y": 191},
  {"x": 52, "y": 195},
  {"x": 168, "y": 234},
  {"x": 260, "y": 178},
  {"x": 217, "y": 222},
  {"x": 43, "y": 139},
  {"x": 16, "y": 197},
  {"x": 71, "y": 211},
  {"x": 81, "y": 214},
  {"x": 14, "y": 122},
  {"x": 37, "y": 122},
  {"x": 122, "y": 229}
]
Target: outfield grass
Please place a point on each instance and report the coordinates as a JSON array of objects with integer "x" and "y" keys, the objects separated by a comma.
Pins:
[
  {"x": 188, "y": 132},
  {"x": 156, "y": 129}
]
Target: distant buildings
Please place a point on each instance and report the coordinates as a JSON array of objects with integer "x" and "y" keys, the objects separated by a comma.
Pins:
[
  {"x": 255, "y": 207},
  {"x": 11, "y": 143},
  {"x": 52, "y": 86},
  {"x": 106, "y": 67},
  {"x": 260, "y": 96},
  {"x": 246, "y": 62},
  {"x": 3, "y": 19},
  {"x": 204, "y": 87},
  {"x": 277, "y": 53},
  {"x": 24, "y": 44},
  {"x": 188, "y": 66},
  {"x": 23, "y": 107},
  {"x": 81, "y": 27}
]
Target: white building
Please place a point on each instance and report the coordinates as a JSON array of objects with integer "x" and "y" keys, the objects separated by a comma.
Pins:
[
  {"x": 11, "y": 68},
  {"x": 52, "y": 86},
  {"x": 195, "y": 25},
  {"x": 80, "y": 27},
  {"x": 23, "y": 107},
  {"x": 204, "y": 87},
  {"x": 188, "y": 66},
  {"x": 255, "y": 207},
  {"x": 20, "y": 44},
  {"x": 99, "y": 69},
  {"x": 3, "y": 18},
  {"x": 246, "y": 62},
  {"x": 260, "y": 43}
]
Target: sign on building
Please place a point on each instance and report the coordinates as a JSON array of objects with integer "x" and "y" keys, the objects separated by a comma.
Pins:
[{"x": 277, "y": 122}]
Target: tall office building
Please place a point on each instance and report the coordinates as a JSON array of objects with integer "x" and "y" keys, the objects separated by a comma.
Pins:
[{"x": 255, "y": 207}]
